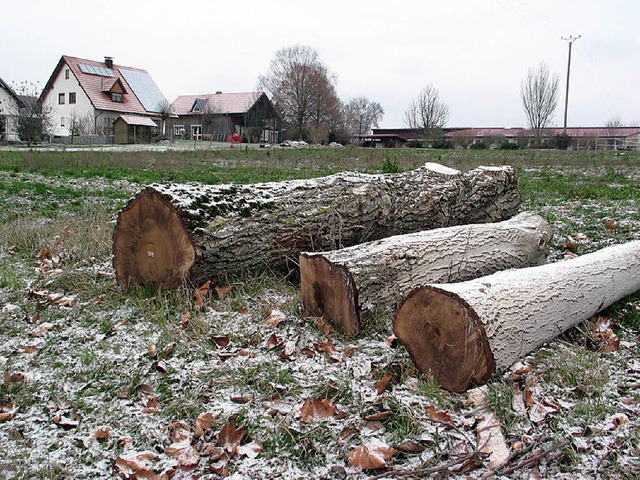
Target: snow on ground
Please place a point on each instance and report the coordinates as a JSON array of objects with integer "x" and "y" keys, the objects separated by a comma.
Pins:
[{"x": 104, "y": 383}]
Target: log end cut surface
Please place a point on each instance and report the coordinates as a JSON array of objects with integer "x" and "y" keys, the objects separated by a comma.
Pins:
[
  {"x": 445, "y": 338},
  {"x": 329, "y": 289},
  {"x": 151, "y": 243}
]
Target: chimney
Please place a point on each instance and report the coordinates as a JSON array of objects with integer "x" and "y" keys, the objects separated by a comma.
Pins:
[{"x": 108, "y": 61}]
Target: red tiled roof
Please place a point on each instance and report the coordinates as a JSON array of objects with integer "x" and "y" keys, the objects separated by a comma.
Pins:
[
  {"x": 96, "y": 87},
  {"x": 225, "y": 103}
]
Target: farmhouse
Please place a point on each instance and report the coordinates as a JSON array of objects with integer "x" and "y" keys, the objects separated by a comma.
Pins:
[
  {"x": 87, "y": 97},
  {"x": 216, "y": 116},
  {"x": 601, "y": 138},
  {"x": 10, "y": 105}
]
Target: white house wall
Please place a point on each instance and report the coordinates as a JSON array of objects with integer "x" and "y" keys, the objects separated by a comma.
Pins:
[
  {"x": 9, "y": 110},
  {"x": 61, "y": 114}
]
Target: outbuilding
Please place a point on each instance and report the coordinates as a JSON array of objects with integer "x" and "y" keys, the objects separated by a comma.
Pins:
[{"x": 134, "y": 129}]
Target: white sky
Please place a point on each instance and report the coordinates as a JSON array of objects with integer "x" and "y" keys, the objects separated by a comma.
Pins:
[{"x": 475, "y": 52}]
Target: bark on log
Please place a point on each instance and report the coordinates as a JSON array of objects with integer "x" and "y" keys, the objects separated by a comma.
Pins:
[
  {"x": 341, "y": 284},
  {"x": 462, "y": 332},
  {"x": 172, "y": 234}
]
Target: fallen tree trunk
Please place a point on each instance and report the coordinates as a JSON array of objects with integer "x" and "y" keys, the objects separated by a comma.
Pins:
[
  {"x": 462, "y": 332},
  {"x": 172, "y": 234},
  {"x": 340, "y": 284}
]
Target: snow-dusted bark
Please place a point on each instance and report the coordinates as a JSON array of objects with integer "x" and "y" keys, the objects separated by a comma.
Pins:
[
  {"x": 341, "y": 284},
  {"x": 170, "y": 234},
  {"x": 462, "y": 332}
]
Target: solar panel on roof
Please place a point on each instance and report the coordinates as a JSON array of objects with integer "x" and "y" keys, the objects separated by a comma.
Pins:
[
  {"x": 96, "y": 70},
  {"x": 144, "y": 88}
]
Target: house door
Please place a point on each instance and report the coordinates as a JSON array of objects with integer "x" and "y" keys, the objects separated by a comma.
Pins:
[{"x": 196, "y": 132}]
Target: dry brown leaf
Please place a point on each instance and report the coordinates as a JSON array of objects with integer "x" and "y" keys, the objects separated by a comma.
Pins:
[
  {"x": 221, "y": 340},
  {"x": 221, "y": 467},
  {"x": 276, "y": 317},
  {"x": 370, "y": 456},
  {"x": 183, "y": 453},
  {"x": 316, "y": 410},
  {"x": 153, "y": 351},
  {"x": 348, "y": 352},
  {"x": 29, "y": 348},
  {"x": 382, "y": 384},
  {"x": 204, "y": 422},
  {"x": 250, "y": 450},
  {"x": 222, "y": 292},
  {"x": 307, "y": 352},
  {"x": 322, "y": 324},
  {"x": 45, "y": 252},
  {"x": 180, "y": 431},
  {"x": 137, "y": 464},
  {"x": 611, "y": 225},
  {"x": 241, "y": 400},
  {"x": 15, "y": 377},
  {"x": 379, "y": 417},
  {"x": 438, "y": 416},
  {"x": 325, "y": 347},
  {"x": 7, "y": 412},
  {"x": 102, "y": 432},
  {"x": 611, "y": 345},
  {"x": 184, "y": 321},
  {"x": 274, "y": 341},
  {"x": 41, "y": 329},
  {"x": 201, "y": 294},
  {"x": 229, "y": 437},
  {"x": 409, "y": 446}
]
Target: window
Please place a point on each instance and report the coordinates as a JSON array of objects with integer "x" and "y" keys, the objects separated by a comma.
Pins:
[
  {"x": 196, "y": 132},
  {"x": 179, "y": 130},
  {"x": 72, "y": 97},
  {"x": 66, "y": 74},
  {"x": 61, "y": 99},
  {"x": 116, "y": 97},
  {"x": 62, "y": 121}
]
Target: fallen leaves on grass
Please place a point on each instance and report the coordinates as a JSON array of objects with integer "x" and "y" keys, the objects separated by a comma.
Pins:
[
  {"x": 201, "y": 294},
  {"x": 317, "y": 410},
  {"x": 370, "y": 456}
]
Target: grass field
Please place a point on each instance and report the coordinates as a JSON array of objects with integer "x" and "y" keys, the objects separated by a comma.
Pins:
[{"x": 99, "y": 382}]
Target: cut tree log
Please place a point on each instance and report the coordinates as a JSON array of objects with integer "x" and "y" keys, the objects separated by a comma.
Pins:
[
  {"x": 174, "y": 234},
  {"x": 462, "y": 332},
  {"x": 341, "y": 284}
]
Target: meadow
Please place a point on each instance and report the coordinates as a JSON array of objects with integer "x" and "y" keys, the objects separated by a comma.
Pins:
[{"x": 102, "y": 382}]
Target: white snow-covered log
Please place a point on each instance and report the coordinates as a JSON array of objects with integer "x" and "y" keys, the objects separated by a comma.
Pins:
[
  {"x": 342, "y": 284},
  {"x": 462, "y": 332},
  {"x": 173, "y": 234}
]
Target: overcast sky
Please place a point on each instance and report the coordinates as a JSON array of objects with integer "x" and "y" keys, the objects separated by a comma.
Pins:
[{"x": 475, "y": 52}]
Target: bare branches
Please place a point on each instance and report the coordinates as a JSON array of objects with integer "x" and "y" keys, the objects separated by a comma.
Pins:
[
  {"x": 427, "y": 112},
  {"x": 539, "y": 92}
]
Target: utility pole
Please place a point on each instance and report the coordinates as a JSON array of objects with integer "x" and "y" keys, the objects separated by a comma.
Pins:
[{"x": 570, "y": 41}]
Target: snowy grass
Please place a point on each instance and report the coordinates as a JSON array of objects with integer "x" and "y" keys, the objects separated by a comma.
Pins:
[{"x": 80, "y": 356}]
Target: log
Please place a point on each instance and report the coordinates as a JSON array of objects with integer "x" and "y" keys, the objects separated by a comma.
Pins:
[
  {"x": 174, "y": 234},
  {"x": 461, "y": 333},
  {"x": 342, "y": 284}
]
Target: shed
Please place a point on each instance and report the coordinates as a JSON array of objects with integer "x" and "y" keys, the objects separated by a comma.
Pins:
[{"x": 133, "y": 129}]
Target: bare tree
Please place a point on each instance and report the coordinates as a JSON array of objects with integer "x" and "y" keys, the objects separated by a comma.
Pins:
[
  {"x": 298, "y": 83},
  {"x": 539, "y": 92},
  {"x": 427, "y": 112},
  {"x": 80, "y": 124},
  {"x": 165, "y": 111},
  {"x": 361, "y": 115},
  {"x": 611, "y": 127},
  {"x": 35, "y": 119}
]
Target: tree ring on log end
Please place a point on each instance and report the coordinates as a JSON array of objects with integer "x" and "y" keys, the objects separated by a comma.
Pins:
[
  {"x": 329, "y": 288},
  {"x": 445, "y": 338},
  {"x": 151, "y": 243}
]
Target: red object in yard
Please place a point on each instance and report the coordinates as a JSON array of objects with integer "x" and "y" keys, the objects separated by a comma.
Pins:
[{"x": 235, "y": 139}]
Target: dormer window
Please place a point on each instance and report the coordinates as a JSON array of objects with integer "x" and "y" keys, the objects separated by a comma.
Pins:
[
  {"x": 198, "y": 105},
  {"x": 116, "y": 97}
]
